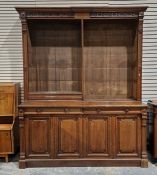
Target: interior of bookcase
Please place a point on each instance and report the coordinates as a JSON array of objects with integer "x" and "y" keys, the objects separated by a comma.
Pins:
[
  {"x": 109, "y": 59},
  {"x": 95, "y": 57},
  {"x": 55, "y": 56}
]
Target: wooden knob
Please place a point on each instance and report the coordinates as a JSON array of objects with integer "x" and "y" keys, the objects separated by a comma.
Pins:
[
  {"x": 66, "y": 110},
  {"x": 127, "y": 110},
  {"x": 98, "y": 110},
  {"x": 38, "y": 109}
]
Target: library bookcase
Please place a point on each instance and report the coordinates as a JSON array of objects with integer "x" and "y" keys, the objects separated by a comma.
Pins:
[{"x": 82, "y": 87}]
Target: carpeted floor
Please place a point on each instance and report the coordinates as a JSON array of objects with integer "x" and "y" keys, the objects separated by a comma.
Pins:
[{"x": 11, "y": 168}]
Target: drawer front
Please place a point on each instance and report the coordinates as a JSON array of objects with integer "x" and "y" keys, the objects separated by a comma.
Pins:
[
  {"x": 52, "y": 110},
  {"x": 5, "y": 142},
  {"x": 6, "y": 89}
]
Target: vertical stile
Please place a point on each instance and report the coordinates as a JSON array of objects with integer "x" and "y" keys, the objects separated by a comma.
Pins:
[{"x": 82, "y": 60}]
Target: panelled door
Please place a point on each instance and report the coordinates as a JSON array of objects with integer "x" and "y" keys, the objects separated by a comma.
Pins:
[
  {"x": 83, "y": 136},
  {"x": 97, "y": 136},
  {"x": 38, "y": 136},
  {"x": 68, "y": 136},
  {"x": 128, "y": 136}
]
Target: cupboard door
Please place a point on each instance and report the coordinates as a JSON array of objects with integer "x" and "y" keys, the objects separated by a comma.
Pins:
[
  {"x": 68, "y": 136},
  {"x": 128, "y": 136},
  {"x": 38, "y": 136},
  {"x": 97, "y": 136},
  {"x": 5, "y": 142}
]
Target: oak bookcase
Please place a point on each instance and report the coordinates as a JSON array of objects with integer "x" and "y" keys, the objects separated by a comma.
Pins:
[{"x": 82, "y": 87}]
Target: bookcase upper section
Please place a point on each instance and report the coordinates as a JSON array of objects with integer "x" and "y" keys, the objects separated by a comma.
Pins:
[{"x": 82, "y": 53}]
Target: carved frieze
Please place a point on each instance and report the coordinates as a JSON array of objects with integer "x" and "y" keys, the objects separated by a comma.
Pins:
[
  {"x": 112, "y": 14},
  {"x": 50, "y": 14}
]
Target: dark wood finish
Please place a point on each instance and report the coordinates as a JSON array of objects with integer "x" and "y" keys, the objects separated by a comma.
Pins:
[
  {"x": 78, "y": 130},
  {"x": 110, "y": 42},
  {"x": 128, "y": 136},
  {"x": 55, "y": 65},
  {"x": 9, "y": 101},
  {"x": 40, "y": 136},
  {"x": 68, "y": 141},
  {"x": 155, "y": 137},
  {"x": 94, "y": 129},
  {"x": 56, "y": 55},
  {"x": 153, "y": 111},
  {"x": 84, "y": 162},
  {"x": 82, "y": 87}
]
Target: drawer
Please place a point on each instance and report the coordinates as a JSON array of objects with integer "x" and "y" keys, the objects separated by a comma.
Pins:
[
  {"x": 6, "y": 89},
  {"x": 53, "y": 110},
  {"x": 5, "y": 141}
]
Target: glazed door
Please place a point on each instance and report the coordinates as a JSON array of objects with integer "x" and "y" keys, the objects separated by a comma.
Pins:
[
  {"x": 68, "y": 136},
  {"x": 97, "y": 136},
  {"x": 38, "y": 136},
  {"x": 128, "y": 136}
]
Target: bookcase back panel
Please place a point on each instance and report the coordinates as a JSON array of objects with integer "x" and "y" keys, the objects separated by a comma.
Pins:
[
  {"x": 109, "y": 59},
  {"x": 54, "y": 56}
]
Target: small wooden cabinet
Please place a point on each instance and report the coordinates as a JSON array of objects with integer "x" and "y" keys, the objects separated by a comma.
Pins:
[
  {"x": 9, "y": 100},
  {"x": 82, "y": 87}
]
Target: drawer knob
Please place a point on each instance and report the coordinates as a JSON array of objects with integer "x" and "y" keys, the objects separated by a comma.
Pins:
[
  {"x": 98, "y": 110},
  {"x": 127, "y": 110},
  {"x": 38, "y": 110},
  {"x": 66, "y": 110},
  {"x": 6, "y": 134}
]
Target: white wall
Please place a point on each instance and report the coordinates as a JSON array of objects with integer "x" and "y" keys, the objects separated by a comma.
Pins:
[{"x": 11, "y": 40}]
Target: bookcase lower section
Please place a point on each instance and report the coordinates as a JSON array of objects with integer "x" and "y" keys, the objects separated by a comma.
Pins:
[{"x": 83, "y": 137}]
